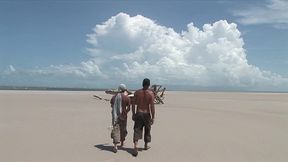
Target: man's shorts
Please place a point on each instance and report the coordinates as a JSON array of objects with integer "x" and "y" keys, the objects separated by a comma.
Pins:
[{"x": 142, "y": 120}]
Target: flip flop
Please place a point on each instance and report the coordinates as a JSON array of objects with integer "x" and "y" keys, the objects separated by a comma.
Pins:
[
  {"x": 114, "y": 150},
  {"x": 135, "y": 153},
  {"x": 147, "y": 147}
]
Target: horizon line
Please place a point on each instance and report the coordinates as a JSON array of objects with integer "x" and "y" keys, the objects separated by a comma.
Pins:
[{"x": 49, "y": 88}]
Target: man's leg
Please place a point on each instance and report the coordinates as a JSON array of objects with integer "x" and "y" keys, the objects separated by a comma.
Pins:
[
  {"x": 147, "y": 134},
  {"x": 138, "y": 131},
  {"x": 135, "y": 153}
]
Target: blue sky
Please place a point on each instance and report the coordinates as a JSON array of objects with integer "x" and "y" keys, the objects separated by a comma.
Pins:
[{"x": 47, "y": 43}]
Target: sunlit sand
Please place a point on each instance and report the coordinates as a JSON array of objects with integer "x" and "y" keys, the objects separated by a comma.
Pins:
[{"x": 40, "y": 126}]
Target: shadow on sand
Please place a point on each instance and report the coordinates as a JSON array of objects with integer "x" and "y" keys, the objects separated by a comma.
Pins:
[
  {"x": 104, "y": 147},
  {"x": 109, "y": 148}
]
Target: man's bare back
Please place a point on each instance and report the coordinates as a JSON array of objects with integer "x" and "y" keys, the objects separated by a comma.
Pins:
[{"x": 144, "y": 99}]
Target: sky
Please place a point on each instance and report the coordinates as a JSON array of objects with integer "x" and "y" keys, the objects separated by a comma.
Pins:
[{"x": 182, "y": 44}]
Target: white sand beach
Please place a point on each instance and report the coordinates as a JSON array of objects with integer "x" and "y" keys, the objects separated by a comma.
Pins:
[{"x": 63, "y": 126}]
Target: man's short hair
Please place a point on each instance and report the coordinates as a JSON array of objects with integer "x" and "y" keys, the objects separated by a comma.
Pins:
[{"x": 146, "y": 82}]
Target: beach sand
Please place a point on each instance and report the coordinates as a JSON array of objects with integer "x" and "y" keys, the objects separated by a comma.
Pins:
[{"x": 63, "y": 126}]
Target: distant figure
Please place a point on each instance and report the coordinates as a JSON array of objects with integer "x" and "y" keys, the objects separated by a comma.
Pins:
[
  {"x": 120, "y": 104},
  {"x": 144, "y": 114}
]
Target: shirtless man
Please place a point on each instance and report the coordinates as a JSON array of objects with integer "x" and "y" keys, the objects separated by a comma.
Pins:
[{"x": 144, "y": 114}]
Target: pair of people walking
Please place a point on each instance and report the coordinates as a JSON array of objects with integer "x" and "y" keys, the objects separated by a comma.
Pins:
[{"x": 143, "y": 113}]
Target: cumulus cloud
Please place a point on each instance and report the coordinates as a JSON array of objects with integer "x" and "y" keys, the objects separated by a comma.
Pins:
[
  {"x": 274, "y": 12},
  {"x": 136, "y": 47},
  {"x": 129, "y": 48}
]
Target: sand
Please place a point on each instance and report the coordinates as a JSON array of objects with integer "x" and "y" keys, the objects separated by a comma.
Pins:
[{"x": 54, "y": 126}]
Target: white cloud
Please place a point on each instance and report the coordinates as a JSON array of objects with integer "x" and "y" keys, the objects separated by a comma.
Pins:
[
  {"x": 275, "y": 13},
  {"x": 10, "y": 70},
  {"x": 127, "y": 49},
  {"x": 136, "y": 47},
  {"x": 84, "y": 70}
]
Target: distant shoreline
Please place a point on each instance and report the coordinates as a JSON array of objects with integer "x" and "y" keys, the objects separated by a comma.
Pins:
[{"x": 22, "y": 88}]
